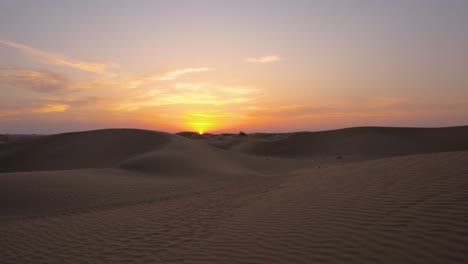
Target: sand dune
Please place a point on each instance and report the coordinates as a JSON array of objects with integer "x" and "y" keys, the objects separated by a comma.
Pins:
[
  {"x": 91, "y": 149},
  {"x": 185, "y": 158},
  {"x": 189, "y": 158},
  {"x": 398, "y": 210},
  {"x": 361, "y": 141},
  {"x": 139, "y": 150},
  {"x": 134, "y": 196}
]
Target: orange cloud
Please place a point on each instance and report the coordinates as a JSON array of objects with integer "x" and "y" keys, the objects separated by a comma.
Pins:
[
  {"x": 46, "y": 81},
  {"x": 52, "y": 105},
  {"x": 39, "y": 81},
  {"x": 189, "y": 94},
  {"x": 51, "y": 108},
  {"x": 42, "y": 109},
  {"x": 370, "y": 107}
]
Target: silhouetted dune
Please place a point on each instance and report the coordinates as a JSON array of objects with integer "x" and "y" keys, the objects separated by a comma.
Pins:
[
  {"x": 90, "y": 149},
  {"x": 186, "y": 158},
  {"x": 140, "y": 150},
  {"x": 360, "y": 141}
]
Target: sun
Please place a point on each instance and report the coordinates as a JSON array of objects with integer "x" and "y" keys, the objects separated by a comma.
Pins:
[{"x": 201, "y": 122}]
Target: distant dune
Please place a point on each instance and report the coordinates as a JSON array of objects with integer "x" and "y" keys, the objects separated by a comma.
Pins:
[
  {"x": 91, "y": 149},
  {"x": 357, "y": 195},
  {"x": 360, "y": 141}
]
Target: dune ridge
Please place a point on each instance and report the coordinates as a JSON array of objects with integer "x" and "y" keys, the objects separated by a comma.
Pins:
[
  {"x": 77, "y": 150},
  {"x": 359, "y": 141}
]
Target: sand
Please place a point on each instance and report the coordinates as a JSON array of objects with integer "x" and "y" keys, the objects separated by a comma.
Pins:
[{"x": 360, "y": 195}]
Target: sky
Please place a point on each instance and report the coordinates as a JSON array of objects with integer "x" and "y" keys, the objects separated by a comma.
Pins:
[{"x": 225, "y": 66}]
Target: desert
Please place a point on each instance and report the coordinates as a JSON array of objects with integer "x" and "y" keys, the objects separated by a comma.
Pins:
[
  {"x": 233, "y": 131},
  {"x": 138, "y": 196}
]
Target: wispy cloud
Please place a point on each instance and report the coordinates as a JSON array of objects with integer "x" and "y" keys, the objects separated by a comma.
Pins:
[
  {"x": 40, "y": 108},
  {"x": 264, "y": 59},
  {"x": 59, "y": 59},
  {"x": 189, "y": 94},
  {"x": 46, "y": 81},
  {"x": 39, "y": 81},
  {"x": 206, "y": 93},
  {"x": 51, "y": 108},
  {"x": 174, "y": 74},
  {"x": 49, "y": 104},
  {"x": 368, "y": 107},
  {"x": 168, "y": 76}
]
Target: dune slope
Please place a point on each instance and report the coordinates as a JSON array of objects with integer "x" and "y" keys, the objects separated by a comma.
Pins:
[
  {"x": 410, "y": 209},
  {"x": 151, "y": 152},
  {"x": 360, "y": 141},
  {"x": 77, "y": 150}
]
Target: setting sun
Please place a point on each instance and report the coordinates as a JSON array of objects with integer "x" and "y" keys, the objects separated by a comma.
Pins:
[{"x": 202, "y": 122}]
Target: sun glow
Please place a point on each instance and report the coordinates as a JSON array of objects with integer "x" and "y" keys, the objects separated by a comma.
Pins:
[
  {"x": 201, "y": 122},
  {"x": 201, "y": 126}
]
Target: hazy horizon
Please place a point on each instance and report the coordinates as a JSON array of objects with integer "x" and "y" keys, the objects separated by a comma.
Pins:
[{"x": 225, "y": 66}]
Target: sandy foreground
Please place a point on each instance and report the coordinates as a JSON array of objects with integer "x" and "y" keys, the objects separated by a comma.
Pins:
[{"x": 359, "y": 195}]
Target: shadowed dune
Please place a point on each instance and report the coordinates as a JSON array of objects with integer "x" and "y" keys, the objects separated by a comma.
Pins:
[
  {"x": 409, "y": 209},
  {"x": 360, "y": 141},
  {"x": 398, "y": 210},
  {"x": 135, "y": 196},
  {"x": 90, "y": 149},
  {"x": 184, "y": 157},
  {"x": 140, "y": 150}
]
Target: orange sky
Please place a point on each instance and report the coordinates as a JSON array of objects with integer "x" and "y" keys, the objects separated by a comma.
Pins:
[{"x": 218, "y": 66}]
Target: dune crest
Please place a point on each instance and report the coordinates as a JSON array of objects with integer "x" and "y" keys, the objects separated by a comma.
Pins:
[
  {"x": 359, "y": 141},
  {"x": 78, "y": 150}
]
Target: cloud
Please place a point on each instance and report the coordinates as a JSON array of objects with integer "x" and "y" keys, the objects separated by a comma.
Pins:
[
  {"x": 168, "y": 76},
  {"x": 39, "y": 81},
  {"x": 189, "y": 94},
  {"x": 93, "y": 84},
  {"x": 174, "y": 74},
  {"x": 49, "y": 105},
  {"x": 368, "y": 107},
  {"x": 289, "y": 111},
  {"x": 58, "y": 59},
  {"x": 206, "y": 94},
  {"x": 46, "y": 81},
  {"x": 264, "y": 59},
  {"x": 51, "y": 108},
  {"x": 37, "y": 108},
  {"x": 88, "y": 102}
]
